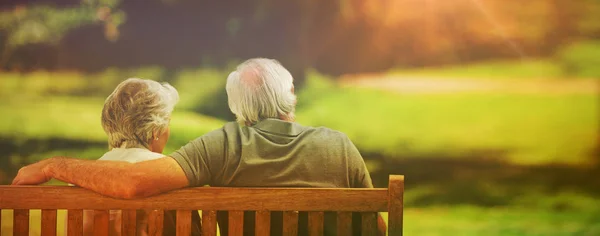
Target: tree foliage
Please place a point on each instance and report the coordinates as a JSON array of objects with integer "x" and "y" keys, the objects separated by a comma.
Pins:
[
  {"x": 47, "y": 24},
  {"x": 340, "y": 36}
]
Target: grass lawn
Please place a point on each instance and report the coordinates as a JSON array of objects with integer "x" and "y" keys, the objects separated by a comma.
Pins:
[
  {"x": 78, "y": 119},
  {"x": 498, "y": 221},
  {"x": 529, "y": 128},
  {"x": 521, "y": 128},
  {"x": 525, "y": 128}
]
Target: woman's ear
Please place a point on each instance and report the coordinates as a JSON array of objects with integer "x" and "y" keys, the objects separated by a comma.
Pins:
[{"x": 155, "y": 135}]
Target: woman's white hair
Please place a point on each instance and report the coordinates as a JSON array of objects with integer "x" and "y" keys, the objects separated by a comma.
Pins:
[
  {"x": 137, "y": 111},
  {"x": 259, "y": 89}
]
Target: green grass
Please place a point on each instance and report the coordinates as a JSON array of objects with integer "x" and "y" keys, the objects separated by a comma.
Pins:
[
  {"x": 535, "y": 128},
  {"x": 538, "y": 68},
  {"x": 580, "y": 58},
  {"x": 52, "y": 117},
  {"x": 461, "y": 220},
  {"x": 465, "y": 220},
  {"x": 529, "y": 128},
  {"x": 78, "y": 119}
]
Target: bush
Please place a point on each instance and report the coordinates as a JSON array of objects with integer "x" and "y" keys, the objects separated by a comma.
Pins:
[
  {"x": 580, "y": 59},
  {"x": 203, "y": 91}
]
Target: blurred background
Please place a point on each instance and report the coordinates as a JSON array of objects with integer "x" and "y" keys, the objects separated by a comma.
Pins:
[{"x": 489, "y": 107}]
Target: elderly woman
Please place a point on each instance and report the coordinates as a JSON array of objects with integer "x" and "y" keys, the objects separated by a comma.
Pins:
[{"x": 136, "y": 118}]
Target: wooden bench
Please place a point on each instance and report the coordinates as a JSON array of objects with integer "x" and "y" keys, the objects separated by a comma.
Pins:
[{"x": 315, "y": 201}]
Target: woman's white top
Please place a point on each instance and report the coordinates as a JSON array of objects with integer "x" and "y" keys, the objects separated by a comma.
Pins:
[{"x": 131, "y": 155}]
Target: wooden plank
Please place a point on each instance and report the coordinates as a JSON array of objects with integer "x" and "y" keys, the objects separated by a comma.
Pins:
[
  {"x": 74, "y": 222},
  {"x": 128, "y": 222},
  {"x": 156, "y": 222},
  {"x": 206, "y": 198},
  {"x": 369, "y": 223},
  {"x": 101, "y": 219},
  {"x": 184, "y": 222},
  {"x": 209, "y": 223},
  {"x": 262, "y": 223},
  {"x": 115, "y": 225},
  {"x": 48, "y": 222},
  {"x": 236, "y": 223},
  {"x": 21, "y": 222},
  {"x": 141, "y": 222},
  {"x": 315, "y": 223},
  {"x": 396, "y": 204},
  {"x": 290, "y": 223},
  {"x": 344, "y": 223}
]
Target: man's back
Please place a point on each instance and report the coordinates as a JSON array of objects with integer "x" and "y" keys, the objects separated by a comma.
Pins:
[{"x": 273, "y": 153}]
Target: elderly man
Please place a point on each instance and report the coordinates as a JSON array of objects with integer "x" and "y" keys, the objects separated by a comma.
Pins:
[{"x": 264, "y": 148}]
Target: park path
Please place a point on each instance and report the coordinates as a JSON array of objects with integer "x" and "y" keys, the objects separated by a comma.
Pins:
[{"x": 441, "y": 85}]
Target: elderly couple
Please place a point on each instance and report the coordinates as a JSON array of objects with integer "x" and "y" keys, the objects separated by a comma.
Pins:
[{"x": 264, "y": 148}]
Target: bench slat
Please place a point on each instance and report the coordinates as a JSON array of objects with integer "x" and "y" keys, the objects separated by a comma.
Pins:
[
  {"x": 184, "y": 222},
  {"x": 115, "y": 226},
  {"x": 344, "y": 223},
  {"x": 290, "y": 223},
  {"x": 21, "y": 222},
  {"x": 236, "y": 223},
  {"x": 206, "y": 198},
  {"x": 263, "y": 223},
  {"x": 369, "y": 223},
  {"x": 48, "y": 222},
  {"x": 74, "y": 222},
  {"x": 209, "y": 223},
  {"x": 395, "y": 204},
  {"x": 128, "y": 222},
  {"x": 315, "y": 223},
  {"x": 101, "y": 219},
  {"x": 155, "y": 222},
  {"x": 141, "y": 221}
]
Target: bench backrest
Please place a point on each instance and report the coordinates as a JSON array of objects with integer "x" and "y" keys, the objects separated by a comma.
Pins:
[{"x": 290, "y": 201}]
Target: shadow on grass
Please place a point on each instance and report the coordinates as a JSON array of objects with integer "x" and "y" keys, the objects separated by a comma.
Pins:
[
  {"x": 15, "y": 153},
  {"x": 471, "y": 180}
]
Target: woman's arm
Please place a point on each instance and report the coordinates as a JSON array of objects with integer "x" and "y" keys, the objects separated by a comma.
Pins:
[{"x": 112, "y": 178}]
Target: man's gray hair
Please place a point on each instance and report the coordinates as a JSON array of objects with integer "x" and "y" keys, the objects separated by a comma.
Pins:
[
  {"x": 259, "y": 89},
  {"x": 137, "y": 110}
]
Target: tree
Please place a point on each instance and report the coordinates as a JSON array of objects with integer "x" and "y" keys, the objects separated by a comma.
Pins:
[{"x": 44, "y": 24}]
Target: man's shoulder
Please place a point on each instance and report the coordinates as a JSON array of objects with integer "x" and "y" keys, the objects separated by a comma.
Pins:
[
  {"x": 231, "y": 126},
  {"x": 229, "y": 129},
  {"x": 327, "y": 133}
]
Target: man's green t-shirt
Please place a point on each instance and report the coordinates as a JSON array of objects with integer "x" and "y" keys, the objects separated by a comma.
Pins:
[{"x": 273, "y": 153}]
